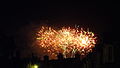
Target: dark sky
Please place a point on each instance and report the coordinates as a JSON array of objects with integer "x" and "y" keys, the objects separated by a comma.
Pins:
[
  {"x": 95, "y": 15},
  {"x": 98, "y": 16}
]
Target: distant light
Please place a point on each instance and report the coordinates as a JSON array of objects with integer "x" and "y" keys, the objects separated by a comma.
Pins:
[
  {"x": 32, "y": 66},
  {"x": 35, "y": 66}
]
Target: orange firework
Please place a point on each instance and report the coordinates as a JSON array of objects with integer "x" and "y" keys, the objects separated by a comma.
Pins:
[{"x": 67, "y": 41}]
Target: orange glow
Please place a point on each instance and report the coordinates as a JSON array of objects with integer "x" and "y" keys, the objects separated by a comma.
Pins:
[{"x": 67, "y": 41}]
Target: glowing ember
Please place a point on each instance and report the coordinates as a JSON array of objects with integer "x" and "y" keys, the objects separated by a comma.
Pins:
[{"x": 67, "y": 41}]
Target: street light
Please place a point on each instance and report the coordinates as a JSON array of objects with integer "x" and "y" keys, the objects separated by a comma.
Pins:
[{"x": 33, "y": 66}]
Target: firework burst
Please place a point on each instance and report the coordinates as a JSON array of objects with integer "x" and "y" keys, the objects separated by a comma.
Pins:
[{"x": 67, "y": 41}]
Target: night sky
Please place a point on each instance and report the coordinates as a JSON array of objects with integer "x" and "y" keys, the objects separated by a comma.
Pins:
[
  {"x": 95, "y": 15},
  {"x": 98, "y": 16}
]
